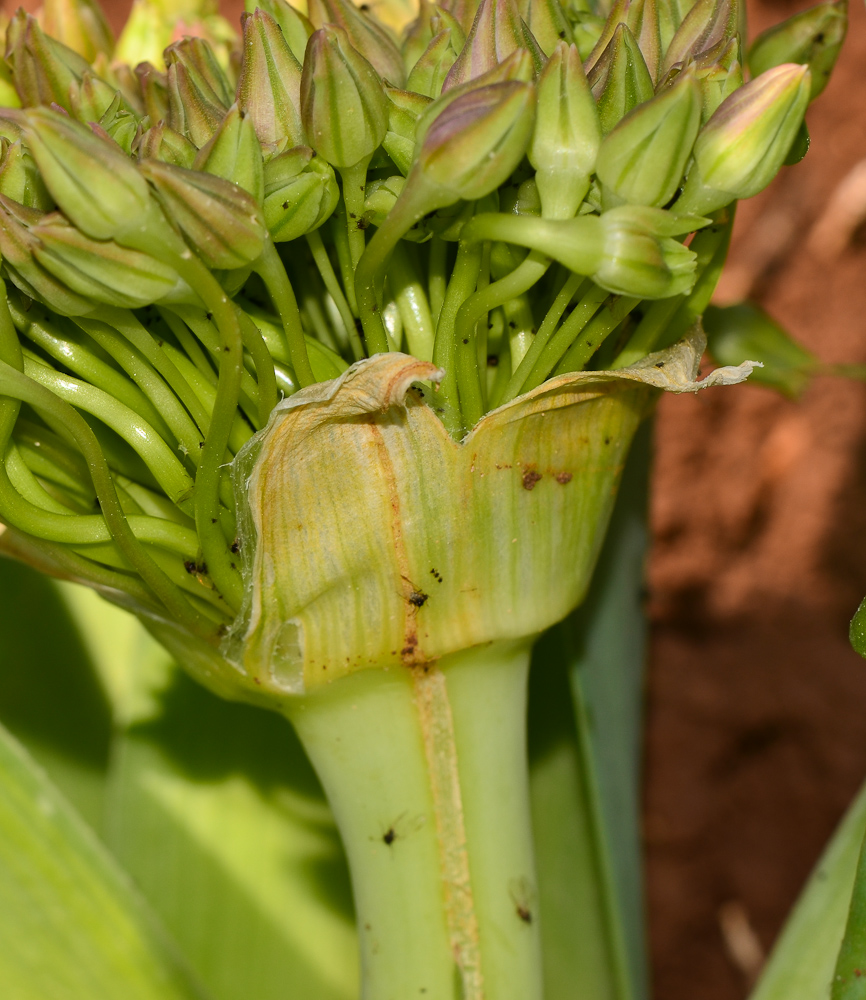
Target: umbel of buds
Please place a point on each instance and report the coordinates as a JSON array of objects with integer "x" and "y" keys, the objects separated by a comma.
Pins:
[{"x": 322, "y": 346}]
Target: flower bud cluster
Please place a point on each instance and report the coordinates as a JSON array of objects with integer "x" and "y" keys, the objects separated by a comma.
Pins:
[{"x": 193, "y": 225}]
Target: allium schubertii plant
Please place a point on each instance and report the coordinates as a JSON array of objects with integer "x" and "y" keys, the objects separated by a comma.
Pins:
[{"x": 322, "y": 352}]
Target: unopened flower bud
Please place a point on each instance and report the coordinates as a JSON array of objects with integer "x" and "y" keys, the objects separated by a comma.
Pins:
[
  {"x": 547, "y": 21},
  {"x": 420, "y": 32},
  {"x": 381, "y": 197},
  {"x": 741, "y": 148},
  {"x": 429, "y": 72},
  {"x": 222, "y": 223},
  {"x": 404, "y": 112},
  {"x": 477, "y": 141},
  {"x": 368, "y": 36},
  {"x": 234, "y": 154},
  {"x": 567, "y": 134},
  {"x": 497, "y": 31},
  {"x": 301, "y": 193},
  {"x": 269, "y": 89},
  {"x": 100, "y": 270},
  {"x": 93, "y": 182},
  {"x": 17, "y": 244},
  {"x": 295, "y": 26},
  {"x": 336, "y": 75},
  {"x": 641, "y": 162},
  {"x": 78, "y": 24},
  {"x": 706, "y": 24},
  {"x": 200, "y": 60},
  {"x": 89, "y": 98},
  {"x": 161, "y": 142},
  {"x": 620, "y": 79},
  {"x": 587, "y": 29},
  {"x": 20, "y": 180},
  {"x": 121, "y": 125},
  {"x": 813, "y": 37},
  {"x": 42, "y": 69},
  {"x": 191, "y": 109},
  {"x": 154, "y": 91},
  {"x": 719, "y": 74},
  {"x": 641, "y": 258}
]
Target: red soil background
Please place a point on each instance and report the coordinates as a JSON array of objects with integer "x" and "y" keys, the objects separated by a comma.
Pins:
[{"x": 756, "y": 739}]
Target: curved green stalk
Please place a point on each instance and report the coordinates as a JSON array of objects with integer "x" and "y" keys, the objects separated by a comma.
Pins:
[
  {"x": 433, "y": 810},
  {"x": 270, "y": 269}
]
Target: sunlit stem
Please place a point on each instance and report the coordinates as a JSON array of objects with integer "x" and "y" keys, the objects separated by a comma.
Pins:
[
  {"x": 270, "y": 268},
  {"x": 425, "y": 770}
]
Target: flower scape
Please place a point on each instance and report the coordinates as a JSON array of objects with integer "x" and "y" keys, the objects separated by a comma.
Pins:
[{"x": 322, "y": 347}]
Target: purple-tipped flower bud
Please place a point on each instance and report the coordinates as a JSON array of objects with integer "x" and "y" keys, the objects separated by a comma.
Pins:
[
  {"x": 741, "y": 148},
  {"x": 497, "y": 31},
  {"x": 234, "y": 154},
  {"x": 269, "y": 89},
  {"x": 706, "y": 24},
  {"x": 222, "y": 223},
  {"x": 641, "y": 162},
  {"x": 295, "y": 26},
  {"x": 92, "y": 181},
  {"x": 365, "y": 33},
  {"x": 567, "y": 134},
  {"x": 813, "y": 37},
  {"x": 620, "y": 79},
  {"x": 204, "y": 68},
  {"x": 477, "y": 141},
  {"x": 192, "y": 111},
  {"x": 337, "y": 76},
  {"x": 80, "y": 25},
  {"x": 301, "y": 193}
]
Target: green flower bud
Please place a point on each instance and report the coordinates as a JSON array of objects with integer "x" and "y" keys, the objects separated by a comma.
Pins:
[
  {"x": 78, "y": 24},
  {"x": 813, "y": 37},
  {"x": 94, "y": 184},
  {"x": 234, "y": 154},
  {"x": 473, "y": 146},
  {"x": 336, "y": 75},
  {"x": 615, "y": 18},
  {"x": 222, "y": 223},
  {"x": 547, "y": 21},
  {"x": 640, "y": 257},
  {"x": 191, "y": 110},
  {"x": 20, "y": 180},
  {"x": 567, "y": 134},
  {"x": 295, "y": 26},
  {"x": 154, "y": 91},
  {"x": 497, "y": 31},
  {"x": 90, "y": 97},
  {"x": 17, "y": 245},
  {"x": 381, "y": 197},
  {"x": 586, "y": 29},
  {"x": 642, "y": 160},
  {"x": 100, "y": 270},
  {"x": 269, "y": 89},
  {"x": 464, "y": 11},
  {"x": 741, "y": 148},
  {"x": 204, "y": 69},
  {"x": 419, "y": 33},
  {"x": 120, "y": 124},
  {"x": 404, "y": 112},
  {"x": 365, "y": 33},
  {"x": 643, "y": 19},
  {"x": 429, "y": 72},
  {"x": 162, "y": 143},
  {"x": 706, "y": 24},
  {"x": 43, "y": 69},
  {"x": 745, "y": 331},
  {"x": 301, "y": 193},
  {"x": 620, "y": 79}
]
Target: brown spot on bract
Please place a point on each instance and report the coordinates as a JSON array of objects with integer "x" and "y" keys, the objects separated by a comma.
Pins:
[
  {"x": 563, "y": 477},
  {"x": 530, "y": 478}
]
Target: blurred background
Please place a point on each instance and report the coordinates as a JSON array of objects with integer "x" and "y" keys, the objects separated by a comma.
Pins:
[{"x": 756, "y": 737}]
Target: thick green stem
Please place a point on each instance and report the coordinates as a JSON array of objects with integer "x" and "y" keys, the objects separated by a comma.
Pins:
[{"x": 425, "y": 770}]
